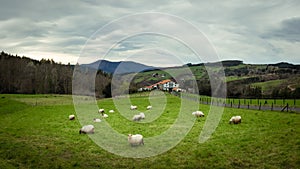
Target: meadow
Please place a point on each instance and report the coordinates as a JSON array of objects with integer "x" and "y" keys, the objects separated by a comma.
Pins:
[{"x": 36, "y": 133}]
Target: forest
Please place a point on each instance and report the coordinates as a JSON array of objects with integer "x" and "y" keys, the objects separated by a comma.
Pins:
[{"x": 28, "y": 76}]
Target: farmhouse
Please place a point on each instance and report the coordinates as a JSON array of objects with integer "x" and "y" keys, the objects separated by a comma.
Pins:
[{"x": 164, "y": 85}]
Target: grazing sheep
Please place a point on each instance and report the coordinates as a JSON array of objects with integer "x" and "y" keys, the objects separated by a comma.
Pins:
[
  {"x": 136, "y": 139},
  {"x": 101, "y": 111},
  {"x": 149, "y": 107},
  {"x": 137, "y": 117},
  {"x": 88, "y": 129},
  {"x": 235, "y": 120},
  {"x": 104, "y": 115},
  {"x": 133, "y": 107},
  {"x": 71, "y": 117},
  {"x": 111, "y": 111},
  {"x": 142, "y": 115},
  {"x": 198, "y": 114},
  {"x": 97, "y": 120}
]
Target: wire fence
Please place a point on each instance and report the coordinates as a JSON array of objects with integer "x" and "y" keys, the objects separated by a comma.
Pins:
[{"x": 288, "y": 105}]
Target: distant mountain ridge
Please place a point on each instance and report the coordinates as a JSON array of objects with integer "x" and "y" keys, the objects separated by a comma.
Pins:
[
  {"x": 122, "y": 67},
  {"x": 125, "y": 67}
]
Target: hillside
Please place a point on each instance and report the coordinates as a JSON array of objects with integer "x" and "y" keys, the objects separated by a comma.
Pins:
[{"x": 242, "y": 80}]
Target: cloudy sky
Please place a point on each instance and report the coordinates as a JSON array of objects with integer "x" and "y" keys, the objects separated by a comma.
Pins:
[{"x": 152, "y": 32}]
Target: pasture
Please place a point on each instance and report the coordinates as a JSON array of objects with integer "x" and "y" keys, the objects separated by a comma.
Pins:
[{"x": 36, "y": 133}]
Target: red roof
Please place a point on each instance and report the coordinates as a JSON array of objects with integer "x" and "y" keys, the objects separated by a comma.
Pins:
[{"x": 164, "y": 81}]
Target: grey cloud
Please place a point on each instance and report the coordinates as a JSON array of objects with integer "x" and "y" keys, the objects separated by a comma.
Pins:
[
  {"x": 23, "y": 28},
  {"x": 289, "y": 30},
  {"x": 124, "y": 46},
  {"x": 238, "y": 29}
]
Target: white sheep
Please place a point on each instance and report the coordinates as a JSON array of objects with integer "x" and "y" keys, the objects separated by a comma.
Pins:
[
  {"x": 149, "y": 107},
  {"x": 71, "y": 117},
  {"x": 133, "y": 107},
  {"x": 136, "y": 139},
  {"x": 111, "y": 111},
  {"x": 97, "y": 120},
  {"x": 235, "y": 120},
  {"x": 142, "y": 115},
  {"x": 198, "y": 114},
  {"x": 101, "y": 111},
  {"x": 88, "y": 129},
  {"x": 104, "y": 115},
  {"x": 136, "y": 117}
]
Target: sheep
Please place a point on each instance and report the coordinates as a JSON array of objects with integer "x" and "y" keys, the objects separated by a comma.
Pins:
[
  {"x": 97, "y": 120},
  {"x": 137, "y": 117},
  {"x": 198, "y": 114},
  {"x": 104, "y": 115},
  {"x": 133, "y": 107},
  {"x": 111, "y": 111},
  {"x": 88, "y": 129},
  {"x": 142, "y": 115},
  {"x": 149, "y": 107},
  {"x": 101, "y": 111},
  {"x": 71, "y": 117},
  {"x": 235, "y": 120},
  {"x": 136, "y": 139}
]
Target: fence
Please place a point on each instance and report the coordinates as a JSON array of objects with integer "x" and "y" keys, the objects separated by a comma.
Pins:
[{"x": 288, "y": 105}]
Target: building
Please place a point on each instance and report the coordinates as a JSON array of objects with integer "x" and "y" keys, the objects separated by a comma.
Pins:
[{"x": 164, "y": 85}]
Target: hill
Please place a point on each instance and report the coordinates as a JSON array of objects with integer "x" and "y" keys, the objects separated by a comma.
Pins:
[
  {"x": 242, "y": 80},
  {"x": 123, "y": 67}
]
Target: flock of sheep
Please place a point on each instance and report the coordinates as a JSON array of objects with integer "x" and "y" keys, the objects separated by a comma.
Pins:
[{"x": 137, "y": 139}]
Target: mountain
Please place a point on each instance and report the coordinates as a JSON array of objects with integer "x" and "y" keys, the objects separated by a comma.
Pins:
[{"x": 122, "y": 67}]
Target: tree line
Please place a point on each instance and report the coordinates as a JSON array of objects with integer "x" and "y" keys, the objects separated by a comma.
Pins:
[{"x": 28, "y": 76}]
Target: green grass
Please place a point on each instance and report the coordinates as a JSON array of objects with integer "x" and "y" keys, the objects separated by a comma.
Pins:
[
  {"x": 234, "y": 78},
  {"x": 197, "y": 72},
  {"x": 41, "y": 136},
  {"x": 269, "y": 84}
]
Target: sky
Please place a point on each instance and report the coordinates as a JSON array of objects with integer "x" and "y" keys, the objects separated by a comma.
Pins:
[{"x": 156, "y": 32}]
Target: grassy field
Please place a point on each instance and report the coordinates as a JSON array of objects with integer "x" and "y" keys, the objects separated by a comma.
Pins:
[{"x": 36, "y": 133}]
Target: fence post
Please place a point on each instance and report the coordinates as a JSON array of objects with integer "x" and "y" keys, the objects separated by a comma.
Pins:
[
  {"x": 259, "y": 105},
  {"x": 248, "y": 105},
  {"x": 287, "y": 107},
  {"x": 272, "y": 107},
  {"x": 231, "y": 104},
  {"x": 239, "y": 104}
]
